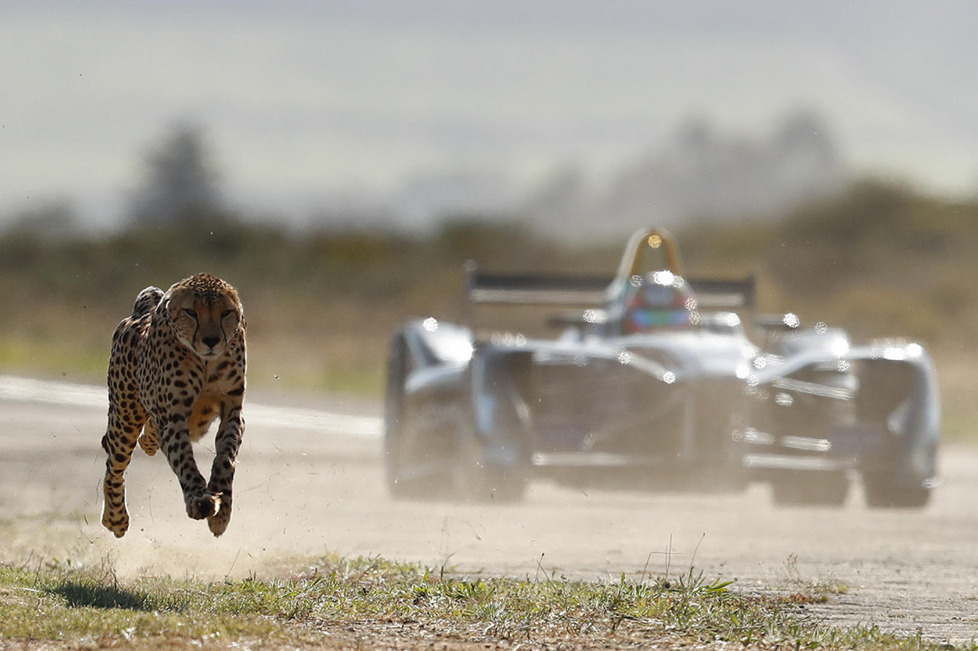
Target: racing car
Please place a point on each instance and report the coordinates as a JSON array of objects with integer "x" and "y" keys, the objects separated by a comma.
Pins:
[{"x": 655, "y": 381}]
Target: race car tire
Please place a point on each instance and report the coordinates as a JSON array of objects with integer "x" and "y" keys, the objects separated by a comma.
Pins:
[
  {"x": 496, "y": 486},
  {"x": 401, "y": 482},
  {"x": 477, "y": 479},
  {"x": 883, "y": 491},
  {"x": 828, "y": 488},
  {"x": 397, "y": 486}
]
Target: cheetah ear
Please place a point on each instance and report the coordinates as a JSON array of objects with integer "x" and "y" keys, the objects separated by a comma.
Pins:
[{"x": 173, "y": 294}]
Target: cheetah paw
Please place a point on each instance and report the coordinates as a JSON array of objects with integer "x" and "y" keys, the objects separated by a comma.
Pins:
[
  {"x": 203, "y": 505},
  {"x": 218, "y": 522},
  {"x": 118, "y": 524}
]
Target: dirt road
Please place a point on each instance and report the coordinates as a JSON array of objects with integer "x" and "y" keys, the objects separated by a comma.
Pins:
[{"x": 310, "y": 482}]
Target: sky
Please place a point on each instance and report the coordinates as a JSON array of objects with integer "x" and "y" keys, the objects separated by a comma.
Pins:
[{"x": 309, "y": 105}]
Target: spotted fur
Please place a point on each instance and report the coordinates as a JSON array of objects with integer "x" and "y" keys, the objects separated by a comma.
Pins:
[{"x": 177, "y": 364}]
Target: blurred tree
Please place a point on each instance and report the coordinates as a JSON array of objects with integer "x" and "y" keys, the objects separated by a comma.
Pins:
[{"x": 180, "y": 187}]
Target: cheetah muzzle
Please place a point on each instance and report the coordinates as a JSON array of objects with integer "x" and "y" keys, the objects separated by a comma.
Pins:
[{"x": 177, "y": 364}]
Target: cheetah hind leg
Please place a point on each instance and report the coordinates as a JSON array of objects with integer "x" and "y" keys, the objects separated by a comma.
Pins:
[{"x": 148, "y": 440}]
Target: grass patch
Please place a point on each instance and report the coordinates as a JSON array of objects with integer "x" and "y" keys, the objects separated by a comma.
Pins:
[{"x": 372, "y": 602}]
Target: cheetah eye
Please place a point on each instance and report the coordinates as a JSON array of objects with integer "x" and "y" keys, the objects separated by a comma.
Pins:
[
  {"x": 226, "y": 313},
  {"x": 192, "y": 314}
]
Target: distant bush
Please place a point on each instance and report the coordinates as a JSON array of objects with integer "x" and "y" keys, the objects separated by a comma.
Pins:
[
  {"x": 338, "y": 295},
  {"x": 880, "y": 259}
]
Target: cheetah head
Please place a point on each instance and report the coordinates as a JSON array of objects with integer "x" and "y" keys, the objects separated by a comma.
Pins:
[{"x": 205, "y": 314}]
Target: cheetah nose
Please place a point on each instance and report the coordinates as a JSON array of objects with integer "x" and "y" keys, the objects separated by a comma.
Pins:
[{"x": 211, "y": 341}]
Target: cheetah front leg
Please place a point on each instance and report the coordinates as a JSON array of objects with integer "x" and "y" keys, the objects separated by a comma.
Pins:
[
  {"x": 176, "y": 445},
  {"x": 228, "y": 442},
  {"x": 119, "y": 442}
]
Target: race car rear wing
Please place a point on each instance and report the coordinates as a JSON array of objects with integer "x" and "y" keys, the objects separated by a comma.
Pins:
[
  {"x": 725, "y": 294},
  {"x": 535, "y": 289},
  {"x": 484, "y": 288}
]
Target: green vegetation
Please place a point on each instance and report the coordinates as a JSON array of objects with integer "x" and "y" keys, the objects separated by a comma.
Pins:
[
  {"x": 374, "y": 603},
  {"x": 320, "y": 305},
  {"x": 879, "y": 259}
]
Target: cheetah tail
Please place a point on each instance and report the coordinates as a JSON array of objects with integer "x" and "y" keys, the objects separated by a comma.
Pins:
[{"x": 146, "y": 301}]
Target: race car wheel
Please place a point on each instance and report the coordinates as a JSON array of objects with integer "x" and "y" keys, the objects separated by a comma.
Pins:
[
  {"x": 882, "y": 490},
  {"x": 478, "y": 479},
  {"x": 394, "y": 408},
  {"x": 829, "y": 488},
  {"x": 400, "y": 484},
  {"x": 493, "y": 485}
]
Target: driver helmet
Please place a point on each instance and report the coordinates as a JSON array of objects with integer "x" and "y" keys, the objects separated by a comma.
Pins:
[{"x": 658, "y": 300}]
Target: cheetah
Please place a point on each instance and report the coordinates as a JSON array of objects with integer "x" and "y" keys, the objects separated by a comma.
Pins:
[{"x": 177, "y": 364}]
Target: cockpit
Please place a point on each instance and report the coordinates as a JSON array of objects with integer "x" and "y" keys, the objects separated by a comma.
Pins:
[{"x": 656, "y": 301}]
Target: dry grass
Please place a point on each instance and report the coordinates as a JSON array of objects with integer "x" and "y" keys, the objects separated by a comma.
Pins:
[{"x": 374, "y": 603}]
